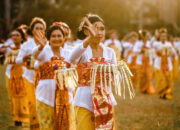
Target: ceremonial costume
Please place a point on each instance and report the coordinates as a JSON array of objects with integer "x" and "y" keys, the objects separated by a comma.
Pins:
[
  {"x": 54, "y": 106},
  {"x": 175, "y": 61},
  {"x": 29, "y": 81},
  {"x": 116, "y": 46},
  {"x": 94, "y": 100},
  {"x": 163, "y": 69},
  {"x": 18, "y": 91},
  {"x": 144, "y": 61},
  {"x": 130, "y": 58}
]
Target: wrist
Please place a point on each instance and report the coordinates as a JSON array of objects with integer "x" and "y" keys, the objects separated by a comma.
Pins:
[
  {"x": 40, "y": 48},
  {"x": 86, "y": 42}
]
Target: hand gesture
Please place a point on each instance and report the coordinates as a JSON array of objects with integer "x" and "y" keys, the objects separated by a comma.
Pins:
[{"x": 40, "y": 39}]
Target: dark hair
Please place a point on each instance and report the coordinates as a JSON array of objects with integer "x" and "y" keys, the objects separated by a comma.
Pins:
[
  {"x": 36, "y": 20},
  {"x": 92, "y": 19},
  {"x": 162, "y": 30},
  {"x": 52, "y": 28},
  {"x": 132, "y": 34},
  {"x": 22, "y": 34},
  {"x": 143, "y": 33},
  {"x": 63, "y": 26},
  {"x": 24, "y": 27}
]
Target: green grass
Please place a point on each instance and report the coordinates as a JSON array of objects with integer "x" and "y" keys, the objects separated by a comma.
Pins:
[
  {"x": 144, "y": 112},
  {"x": 148, "y": 112}
]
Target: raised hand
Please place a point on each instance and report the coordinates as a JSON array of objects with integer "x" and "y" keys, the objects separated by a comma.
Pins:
[
  {"x": 89, "y": 26},
  {"x": 92, "y": 37},
  {"x": 40, "y": 39}
]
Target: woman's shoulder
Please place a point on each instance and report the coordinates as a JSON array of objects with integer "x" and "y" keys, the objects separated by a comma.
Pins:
[
  {"x": 109, "y": 52},
  {"x": 107, "y": 48},
  {"x": 28, "y": 43}
]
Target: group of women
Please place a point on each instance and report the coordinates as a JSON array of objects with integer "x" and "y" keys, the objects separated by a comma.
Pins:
[
  {"x": 153, "y": 58},
  {"x": 32, "y": 62}
]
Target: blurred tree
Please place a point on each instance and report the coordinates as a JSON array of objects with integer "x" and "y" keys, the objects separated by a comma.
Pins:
[{"x": 122, "y": 15}]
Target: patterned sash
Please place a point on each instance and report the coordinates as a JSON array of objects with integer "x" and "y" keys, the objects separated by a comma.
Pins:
[
  {"x": 47, "y": 71},
  {"x": 16, "y": 81},
  {"x": 102, "y": 103}
]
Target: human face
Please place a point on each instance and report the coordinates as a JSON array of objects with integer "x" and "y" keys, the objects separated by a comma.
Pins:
[
  {"x": 16, "y": 37},
  {"x": 114, "y": 36},
  {"x": 156, "y": 34},
  {"x": 100, "y": 31},
  {"x": 133, "y": 39},
  {"x": 38, "y": 27},
  {"x": 56, "y": 39},
  {"x": 146, "y": 37},
  {"x": 163, "y": 37}
]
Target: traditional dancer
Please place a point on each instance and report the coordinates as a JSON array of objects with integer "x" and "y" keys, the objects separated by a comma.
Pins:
[
  {"x": 131, "y": 57},
  {"x": 144, "y": 61},
  {"x": 94, "y": 100},
  {"x": 25, "y": 57},
  {"x": 114, "y": 43},
  {"x": 18, "y": 91},
  {"x": 175, "y": 58},
  {"x": 163, "y": 66},
  {"x": 54, "y": 106}
]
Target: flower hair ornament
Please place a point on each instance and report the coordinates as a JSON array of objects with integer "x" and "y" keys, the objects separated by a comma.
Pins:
[{"x": 58, "y": 23}]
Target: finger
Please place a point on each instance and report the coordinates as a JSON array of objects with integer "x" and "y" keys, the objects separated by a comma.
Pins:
[
  {"x": 91, "y": 29},
  {"x": 92, "y": 33},
  {"x": 87, "y": 21},
  {"x": 37, "y": 38},
  {"x": 41, "y": 34}
]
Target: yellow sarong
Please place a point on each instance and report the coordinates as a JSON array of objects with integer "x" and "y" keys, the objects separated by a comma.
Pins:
[
  {"x": 85, "y": 119},
  {"x": 8, "y": 87},
  {"x": 8, "y": 91},
  {"x": 134, "y": 69},
  {"x": 18, "y": 93},
  {"x": 46, "y": 115},
  {"x": 164, "y": 84},
  {"x": 145, "y": 76},
  {"x": 175, "y": 69},
  {"x": 20, "y": 109},
  {"x": 145, "y": 81},
  {"x": 34, "y": 122}
]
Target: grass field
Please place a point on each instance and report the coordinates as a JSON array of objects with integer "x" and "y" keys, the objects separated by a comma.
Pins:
[{"x": 144, "y": 112}]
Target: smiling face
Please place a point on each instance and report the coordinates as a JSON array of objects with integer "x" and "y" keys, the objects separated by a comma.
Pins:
[
  {"x": 16, "y": 37},
  {"x": 56, "y": 39},
  {"x": 38, "y": 27}
]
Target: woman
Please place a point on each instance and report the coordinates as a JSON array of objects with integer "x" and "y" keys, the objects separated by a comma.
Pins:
[
  {"x": 18, "y": 92},
  {"x": 25, "y": 57},
  {"x": 114, "y": 43},
  {"x": 92, "y": 30},
  {"x": 175, "y": 59},
  {"x": 51, "y": 101},
  {"x": 5, "y": 49},
  {"x": 130, "y": 57},
  {"x": 163, "y": 66},
  {"x": 144, "y": 61}
]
